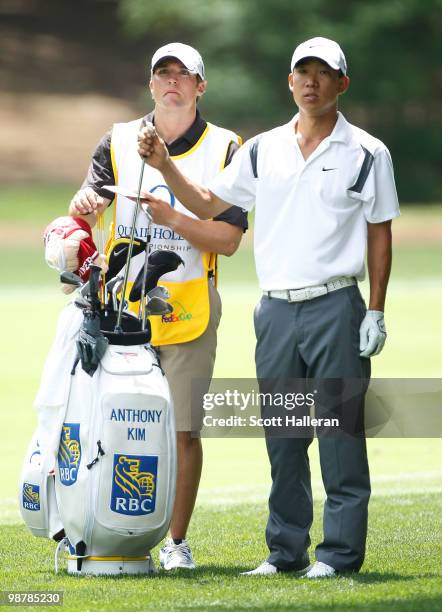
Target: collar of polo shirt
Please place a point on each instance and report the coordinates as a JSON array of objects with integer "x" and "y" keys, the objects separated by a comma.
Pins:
[{"x": 341, "y": 131}]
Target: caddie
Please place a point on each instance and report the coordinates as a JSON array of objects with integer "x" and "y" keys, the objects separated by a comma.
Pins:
[
  {"x": 187, "y": 338},
  {"x": 325, "y": 196}
]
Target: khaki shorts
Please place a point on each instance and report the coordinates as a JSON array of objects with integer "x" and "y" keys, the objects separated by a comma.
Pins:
[{"x": 189, "y": 361}]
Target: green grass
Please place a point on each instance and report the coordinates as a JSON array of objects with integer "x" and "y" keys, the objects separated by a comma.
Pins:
[
  {"x": 227, "y": 532},
  {"x": 399, "y": 573}
]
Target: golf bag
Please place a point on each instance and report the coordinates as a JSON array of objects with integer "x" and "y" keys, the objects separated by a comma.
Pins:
[
  {"x": 37, "y": 501},
  {"x": 115, "y": 475},
  {"x": 102, "y": 463}
]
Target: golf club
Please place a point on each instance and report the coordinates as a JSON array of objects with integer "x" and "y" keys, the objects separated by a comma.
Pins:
[
  {"x": 158, "y": 306},
  {"x": 158, "y": 291},
  {"x": 142, "y": 308},
  {"x": 159, "y": 263},
  {"x": 113, "y": 284},
  {"x": 100, "y": 245},
  {"x": 118, "y": 328},
  {"x": 116, "y": 287},
  {"x": 70, "y": 278},
  {"x": 117, "y": 257}
]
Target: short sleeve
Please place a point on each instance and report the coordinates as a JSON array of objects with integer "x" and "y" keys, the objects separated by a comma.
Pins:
[
  {"x": 234, "y": 216},
  {"x": 379, "y": 196},
  {"x": 236, "y": 183},
  {"x": 100, "y": 171}
]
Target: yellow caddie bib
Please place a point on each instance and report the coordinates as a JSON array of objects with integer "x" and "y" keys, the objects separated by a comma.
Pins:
[{"x": 188, "y": 285}]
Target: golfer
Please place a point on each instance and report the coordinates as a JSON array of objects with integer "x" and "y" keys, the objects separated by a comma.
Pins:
[
  {"x": 187, "y": 338},
  {"x": 325, "y": 196}
]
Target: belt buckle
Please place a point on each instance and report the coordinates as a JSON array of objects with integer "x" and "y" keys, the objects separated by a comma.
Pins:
[
  {"x": 296, "y": 295},
  {"x": 306, "y": 294},
  {"x": 318, "y": 291}
]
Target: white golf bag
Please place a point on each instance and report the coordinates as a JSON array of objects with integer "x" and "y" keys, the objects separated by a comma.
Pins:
[
  {"x": 102, "y": 463},
  {"x": 37, "y": 501}
]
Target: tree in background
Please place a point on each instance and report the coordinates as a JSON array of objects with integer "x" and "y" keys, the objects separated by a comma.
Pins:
[{"x": 393, "y": 50}]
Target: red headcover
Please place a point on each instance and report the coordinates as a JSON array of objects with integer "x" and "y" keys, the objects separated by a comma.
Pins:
[{"x": 64, "y": 247}]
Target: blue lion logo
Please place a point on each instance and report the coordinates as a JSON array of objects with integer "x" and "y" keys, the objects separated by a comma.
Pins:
[
  {"x": 69, "y": 453},
  {"x": 134, "y": 484},
  {"x": 31, "y": 496}
]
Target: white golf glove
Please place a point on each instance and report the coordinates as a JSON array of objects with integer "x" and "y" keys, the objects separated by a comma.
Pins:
[{"x": 372, "y": 334}]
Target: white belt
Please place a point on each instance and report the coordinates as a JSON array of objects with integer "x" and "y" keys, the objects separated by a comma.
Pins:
[{"x": 310, "y": 293}]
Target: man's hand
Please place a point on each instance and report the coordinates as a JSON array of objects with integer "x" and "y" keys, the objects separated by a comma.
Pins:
[
  {"x": 86, "y": 201},
  {"x": 161, "y": 212},
  {"x": 372, "y": 334},
  {"x": 152, "y": 148}
]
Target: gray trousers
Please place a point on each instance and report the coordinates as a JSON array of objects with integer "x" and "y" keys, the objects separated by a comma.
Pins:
[{"x": 316, "y": 339}]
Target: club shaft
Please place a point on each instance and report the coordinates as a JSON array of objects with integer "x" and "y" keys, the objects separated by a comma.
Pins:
[
  {"x": 100, "y": 243},
  {"x": 130, "y": 249},
  {"x": 143, "y": 284}
]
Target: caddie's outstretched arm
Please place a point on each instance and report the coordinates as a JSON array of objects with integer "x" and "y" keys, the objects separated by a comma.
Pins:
[{"x": 199, "y": 200}]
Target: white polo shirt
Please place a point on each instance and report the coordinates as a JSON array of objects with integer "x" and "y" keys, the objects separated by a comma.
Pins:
[{"x": 311, "y": 216}]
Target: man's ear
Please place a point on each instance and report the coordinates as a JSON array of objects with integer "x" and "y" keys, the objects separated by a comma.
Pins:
[
  {"x": 201, "y": 88},
  {"x": 290, "y": 80},
  {"x": 149, "y": 86},
  {"x": 344, "y": 82}
]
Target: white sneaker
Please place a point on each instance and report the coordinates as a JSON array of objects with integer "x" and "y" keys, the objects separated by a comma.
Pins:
[
  {"x": 267, "y": 568},
  {"x": 264, "y": 569},
  {"x": 174, "y": 556},
  {"x": 320, "y": 570}
]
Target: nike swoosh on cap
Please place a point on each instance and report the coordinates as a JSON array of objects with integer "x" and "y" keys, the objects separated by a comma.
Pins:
[{"x": 327, "y": 169}]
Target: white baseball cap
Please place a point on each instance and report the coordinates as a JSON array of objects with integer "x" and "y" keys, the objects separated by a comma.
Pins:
[
  {"x": 323, "y": 48},
  {"x": 186, "y": 54}
]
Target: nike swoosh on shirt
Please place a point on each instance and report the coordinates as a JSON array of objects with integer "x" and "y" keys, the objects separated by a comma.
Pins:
[
  {"x": 117, "y": 253},
  {"x": 327, "y": 169}
]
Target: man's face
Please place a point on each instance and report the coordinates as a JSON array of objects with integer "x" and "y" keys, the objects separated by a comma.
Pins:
[
  {"x": 316, "y": 87},
  {"x": 173, "y": 86}
]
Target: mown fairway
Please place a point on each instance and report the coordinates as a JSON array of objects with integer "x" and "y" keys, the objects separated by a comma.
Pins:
[{"x": 402, "y": 570}]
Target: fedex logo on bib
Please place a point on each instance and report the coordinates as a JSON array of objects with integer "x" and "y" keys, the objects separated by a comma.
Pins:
[
  {"x": 69, "y": 453},
  {"x": 31, "y": 496},
  {"x": 134, "y": 484},
  {"x": 179, "y": 314}
]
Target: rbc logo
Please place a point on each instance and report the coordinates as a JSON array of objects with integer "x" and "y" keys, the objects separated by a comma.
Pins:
[
  {"x": 69, "y": 453},
  {"x": 31, "y": 496},
  {"x": 134, "y": 485}
]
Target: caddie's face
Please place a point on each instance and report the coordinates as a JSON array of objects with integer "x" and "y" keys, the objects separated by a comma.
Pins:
[
  {"x": 316, "y": 86},
  {"x": 173, "y": 86}
]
